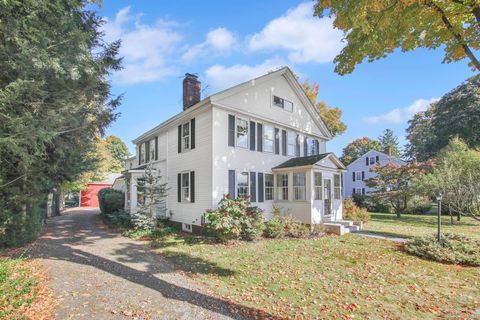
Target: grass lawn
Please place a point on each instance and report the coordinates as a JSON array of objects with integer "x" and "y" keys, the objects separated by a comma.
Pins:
[
  {"x": 329, "y": 277},
  {"x": 410, "y": 225},
  {"x": 23, "y": 292}
]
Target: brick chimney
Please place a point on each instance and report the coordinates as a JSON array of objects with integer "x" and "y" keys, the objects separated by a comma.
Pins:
[
  {"x": 388, "y": 151},
  {"x": 191, "y": 90}
]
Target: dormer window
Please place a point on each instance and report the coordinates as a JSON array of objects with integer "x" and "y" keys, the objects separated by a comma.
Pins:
[{"x": 282, "y": 103}]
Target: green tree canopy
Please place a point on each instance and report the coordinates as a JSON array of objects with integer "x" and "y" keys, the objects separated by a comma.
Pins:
[
  {"x": 375, "y": 28},
  {"x": 389, "y": 140},
  {"x": 456, "y": 114},
  {"x": 357, "y": 148}
]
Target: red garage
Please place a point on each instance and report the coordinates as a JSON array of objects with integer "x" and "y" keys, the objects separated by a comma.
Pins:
[{"x": 89, "y": 196}]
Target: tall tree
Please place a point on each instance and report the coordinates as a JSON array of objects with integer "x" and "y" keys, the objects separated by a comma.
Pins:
[
  {"x": 375, "y": 28},
  {"x": 118, "y": 149},
  {"x": 359, "y": 147},
  {"x": 54, "y": 103},
  {"x": 389, "y": 140},
  {"x": 456, "y": 114},
  {"x": 331, "y": 116}
]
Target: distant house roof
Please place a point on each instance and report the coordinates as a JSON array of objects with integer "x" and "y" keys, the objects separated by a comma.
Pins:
[
  {"x": 108, "y": 179},
  {"x": 308, "y": 161}
]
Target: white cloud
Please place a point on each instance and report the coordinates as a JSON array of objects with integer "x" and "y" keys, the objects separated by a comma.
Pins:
[
  {"x": 146, "y": 48},
  {"x": 306, "y": 38},
  {"x": 217, "y": 41},
  {"x": 399, "y": 115},
  {"x": 221, "y": 77}
]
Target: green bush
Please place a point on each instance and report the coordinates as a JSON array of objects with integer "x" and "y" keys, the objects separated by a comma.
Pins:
[
  {"x": 352, "y": 212},
  {"x": 455, "y": 248},
  {"x": 110, "y": 200},
  {"x": 419, "y": 206},
  {"x": 275, "y": 228},
  {"x": 234, "y": 219},
  {"x": 120, "y": 219},
  {"x": 294, "y": 228}
]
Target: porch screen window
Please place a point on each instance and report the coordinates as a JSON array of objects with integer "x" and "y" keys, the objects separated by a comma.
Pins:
[
  {"x": 152, "y": 149},
  {"x": 292, "y": 142},
  {"x": 242, "y": 184},
  {"x": 317, "y": 184},
  {"x": 268, "y": 137},
  {"x": 299, "y": 183},
  {"x": 186, "y": 136},
  {"x": 268, "y": 186},
  {"x": 336, "y": 187},
  {"x": 282, "y": 186},
  {"x": 242, "y": 133},
  {"x": 186, "y": 187}
]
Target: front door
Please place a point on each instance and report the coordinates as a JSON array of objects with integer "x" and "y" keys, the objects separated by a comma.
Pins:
[{"x": 328, "y": 197}]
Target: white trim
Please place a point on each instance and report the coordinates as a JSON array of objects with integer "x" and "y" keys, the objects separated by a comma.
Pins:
[
  {"x": 187, "y": 227},
  {"x": 182, "y": 199}
]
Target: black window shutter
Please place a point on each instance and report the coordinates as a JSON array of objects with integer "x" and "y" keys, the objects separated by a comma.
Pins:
[
  {"x": 284, "y": 142},
  {"x": 297, "y": 147},
  {"x": 192, "y": 186},
  {"x": 317, "y": 147},
  {"x": 363, "y": 175},
  {"x": 260, "y": 187},
  {"x": 305, "y": 146},
  {"x": 253, "y": 187},
  {"x": 277, "y": 141},
  {"x": 156, "y": 148},
  {"x": 147, "y": 151},
  {"x": 192, "y": 133},
  {"x": 367, "y": 161},
  {"x": 231, "y": 183},
  {"x": 259, "y": 137},
  {"x": 363, "y": 190},
  {"x": 139, "y": 154},
  {"x": 179, "y": 139},
  {"x": 231, "y": 130},
  {"x": 252, "y": 136},
  {"x": 377, "y": 159},
  {"x": 179, "y": 187},
  {"x": 353, "y": 176},
  {"x": 353, "y": 191}
]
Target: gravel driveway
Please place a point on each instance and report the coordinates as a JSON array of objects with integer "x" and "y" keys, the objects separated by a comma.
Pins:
[{"x": 96, "y": 274}]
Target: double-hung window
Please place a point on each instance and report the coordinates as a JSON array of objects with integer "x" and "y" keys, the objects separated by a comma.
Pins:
[
  {"x": 242, "y": 133},
  {"x": 299, "y": 184},
  {"x": 152, "y": 149},
  {"x": 242, "y": 184},
  {"x": 268, "y": 138},
  {"x": 185, "y": 187},
  {"x": 282, "y": 186},
  {"x": 268, "y": 186},
  {"x": 291, "y": 143},
  {"x": 317, "y": 183},
  {"x": 358, "y": 175},
  {"x": 358, "y": 190},
  {"x": 372, "y": 160},
  {"x": 186, "y": 136},
  {"x": 311, "y": 147},
  {"x": 336, "y": 187}
]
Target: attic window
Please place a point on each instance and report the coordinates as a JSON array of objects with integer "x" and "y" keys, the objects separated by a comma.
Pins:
[{"x": 282, "y": 103}]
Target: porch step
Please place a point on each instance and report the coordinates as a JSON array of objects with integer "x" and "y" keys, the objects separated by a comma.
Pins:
[{"x": 341, "y": 227}]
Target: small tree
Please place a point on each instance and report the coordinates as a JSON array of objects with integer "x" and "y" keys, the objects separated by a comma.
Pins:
[
  {"x": 389, "y": 140},
  {"x": 394, "y": 183},
  {"x": 456, "y": 174},
  {"x": 152, "y": 193}
]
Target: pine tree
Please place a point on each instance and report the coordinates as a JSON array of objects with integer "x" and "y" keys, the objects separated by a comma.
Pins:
[{"x": 389, "y": 140}]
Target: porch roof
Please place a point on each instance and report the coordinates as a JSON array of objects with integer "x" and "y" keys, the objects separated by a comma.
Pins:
[{"x": 309, "y": 161}]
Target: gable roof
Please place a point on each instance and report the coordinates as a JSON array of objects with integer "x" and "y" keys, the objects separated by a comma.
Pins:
[
  {"x": 375, "y": 152},
  {"x": 309, "y": 161},
  {"x": 285, "y": 71}
]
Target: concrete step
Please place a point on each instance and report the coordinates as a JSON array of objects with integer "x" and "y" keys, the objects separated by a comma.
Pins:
[{"x": 345, "y": 223}]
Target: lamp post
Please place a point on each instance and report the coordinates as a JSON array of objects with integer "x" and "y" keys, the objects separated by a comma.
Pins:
[{"x": 439, "y": 202}]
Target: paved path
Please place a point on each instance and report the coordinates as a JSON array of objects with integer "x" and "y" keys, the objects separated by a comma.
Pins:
[
  {"x": 381, "y": 236},
  {"x": 97, "y": 274}
]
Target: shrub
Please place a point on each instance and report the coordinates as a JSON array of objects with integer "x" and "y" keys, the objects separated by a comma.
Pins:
[
  {"x": 110, "y": 200},
  {"x": 419, "y": 206},
  {"x": 455, "y": 248},
  {"x": 275, "y": 228},
  {"x": 294, "y": 228},
  {"x": 234, "y": 219},
  {"x": 141, "y": 221},
  {"x": 352, "y": 212},
  {"x": 120, "y": 218}
]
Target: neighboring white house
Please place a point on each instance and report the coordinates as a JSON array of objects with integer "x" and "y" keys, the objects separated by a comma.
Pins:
[
  {"x": 359, "y": 170},
  {"x": 262, "y": 139}
]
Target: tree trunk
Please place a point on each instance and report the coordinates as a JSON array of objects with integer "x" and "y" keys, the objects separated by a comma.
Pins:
[
  {"x": 451, "y": 215},
  {"x": 458, "y": 216}
]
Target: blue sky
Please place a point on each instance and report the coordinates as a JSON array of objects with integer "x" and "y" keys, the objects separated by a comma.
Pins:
[{"x": 227, "y": 42}]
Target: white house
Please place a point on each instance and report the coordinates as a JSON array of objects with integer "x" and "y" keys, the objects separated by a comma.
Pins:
[
  {"x": 360, "y": 170},
  {"x": 261, "y": 139}
]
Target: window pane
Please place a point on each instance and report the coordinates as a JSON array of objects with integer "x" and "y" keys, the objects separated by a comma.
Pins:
[
  {"x": 359, "y": 175},
  {"x": 185, "y": 179},
  {"x": 336, "y": 180},
  {"x": 287, "y": 105},
  {"x": 242, "y": 133},
  {"x": 291, "y": 143},
  {"x": 268, "y": 180},
  {"x": 372, "y": 160},
  {"x": 299, "y": 179},
  {"x": 186, "y": 129},
  {"x": 242, "y": 184},
  {"x": 278, "y": 102},
  {"x": 268, "y": 137},
  {"x": 318, "y": 179}
]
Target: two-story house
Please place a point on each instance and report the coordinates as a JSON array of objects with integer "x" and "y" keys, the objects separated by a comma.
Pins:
[
  {"x": 261, "y": 139},
  {"x": 360, "y": 170}
]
